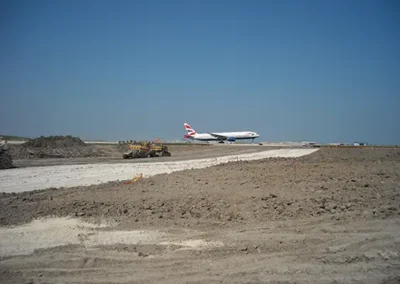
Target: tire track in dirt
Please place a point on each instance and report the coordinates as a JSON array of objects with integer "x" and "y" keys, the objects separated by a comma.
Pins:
[{"x": 303, "y": 252}]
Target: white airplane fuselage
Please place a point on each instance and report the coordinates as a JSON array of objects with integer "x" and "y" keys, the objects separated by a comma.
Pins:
[
  {"x": 219, "y": 136},
  {"x": 237, "y": 135}
]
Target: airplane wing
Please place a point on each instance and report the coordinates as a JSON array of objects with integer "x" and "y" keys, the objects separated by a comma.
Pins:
[{"x": 221, "y": 137}]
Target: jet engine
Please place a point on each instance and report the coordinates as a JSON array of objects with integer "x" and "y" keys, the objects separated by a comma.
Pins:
[{"x": 231, "y": 139}]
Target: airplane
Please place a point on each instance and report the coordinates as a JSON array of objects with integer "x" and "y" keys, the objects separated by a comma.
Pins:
[{"x": 219, "y": 136}]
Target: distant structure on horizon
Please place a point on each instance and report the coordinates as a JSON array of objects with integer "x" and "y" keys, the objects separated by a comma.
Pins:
[{"x": 308, "y": 143}]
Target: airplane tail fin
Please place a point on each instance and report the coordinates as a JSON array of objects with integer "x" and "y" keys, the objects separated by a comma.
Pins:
[{"x": 189, "y": 129}]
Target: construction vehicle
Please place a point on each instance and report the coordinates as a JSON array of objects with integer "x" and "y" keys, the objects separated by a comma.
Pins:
[{"x": 146, "y": 150}]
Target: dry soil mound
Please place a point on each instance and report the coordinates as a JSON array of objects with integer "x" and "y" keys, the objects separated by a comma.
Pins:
[
  {"x": 54, "y": 147},
  {"x": 5, "y": 160},
  {"x": 55, "y": 142}
]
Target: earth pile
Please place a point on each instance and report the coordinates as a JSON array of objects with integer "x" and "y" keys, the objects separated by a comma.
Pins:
[
  {"x": 55, "y": 142},
  {"x": 5, "y": 157},
  {"x": 54, "y": 147},
  {"x": 5, "y": 160}
]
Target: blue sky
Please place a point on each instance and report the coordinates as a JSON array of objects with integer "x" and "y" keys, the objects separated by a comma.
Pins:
[{"x": 290, "y": 70}]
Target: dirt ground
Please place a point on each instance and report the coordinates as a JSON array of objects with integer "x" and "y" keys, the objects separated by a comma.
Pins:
[
  {"x": 112, "y": 154},
  {"x": 329, "y": 217},
  {"x": 53, "y": 147},
  {"x": 67, "y": 150}
]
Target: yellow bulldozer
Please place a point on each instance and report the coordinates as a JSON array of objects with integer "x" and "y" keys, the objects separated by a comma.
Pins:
[{"x": 146, "y": 150}]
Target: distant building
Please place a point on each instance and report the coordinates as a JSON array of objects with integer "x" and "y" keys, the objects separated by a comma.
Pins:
[
  {"x": 308, "y": 143},
  {"x": 360, "y": 144}
]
